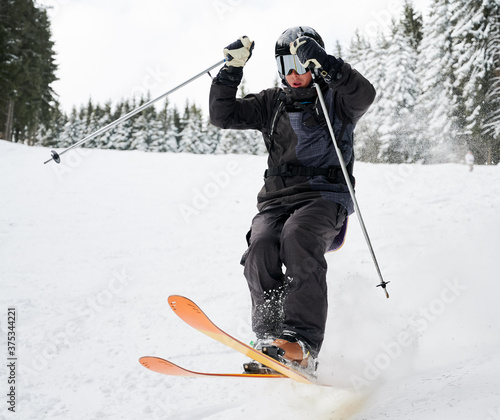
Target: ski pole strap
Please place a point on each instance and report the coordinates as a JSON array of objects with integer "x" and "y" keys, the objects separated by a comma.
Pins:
[{"x": 333, "y": 173}]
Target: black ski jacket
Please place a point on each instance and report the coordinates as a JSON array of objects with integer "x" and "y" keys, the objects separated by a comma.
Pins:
[{"x": 296, "y": 135}]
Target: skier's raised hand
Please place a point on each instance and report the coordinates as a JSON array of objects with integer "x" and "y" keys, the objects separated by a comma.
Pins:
[
  {"x": 310, "y": 53},
  {"x": 313, "y": 56},
  {"x": 238, "y": 52}
]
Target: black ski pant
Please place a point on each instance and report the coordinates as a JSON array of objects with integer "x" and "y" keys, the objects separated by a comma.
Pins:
[{"x": 285, "y": 268}]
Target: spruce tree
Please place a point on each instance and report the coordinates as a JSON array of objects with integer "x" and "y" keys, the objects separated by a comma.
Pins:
[
  {"x": 212, "y": 136},
  {"x": 27, "y": 68},
  {"x": 371, "y": 60},
  {"x": 491, "y": 127},
  {"x": 412, "y": 23},
  {"x": 158, "y": 125},
  {"x": 121, "y": 138},
  {"x": 193, "y": 137},
  {"x": 143, "y": 127},
  {"x": 74, "y": 130},
  {"x": 171, "y": 129},
  {"x": 104, "y": 117},
  {"x": 397, "y": 138},
  {"x": 230, "y": 142},
  {"x": 475, "y": 26},
  {"x": 437, "y": 124},
  {"x": 50, "y": 133},
  {"x": 177, "y": 127},
  {"x": 357, "y": 55}
]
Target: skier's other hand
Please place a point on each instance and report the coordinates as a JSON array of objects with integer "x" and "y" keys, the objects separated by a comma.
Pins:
[
  {"x": 238, "y": 53},
  {"x": 310, "y": 53}
]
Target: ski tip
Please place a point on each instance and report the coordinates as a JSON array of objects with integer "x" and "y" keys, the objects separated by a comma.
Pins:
[
  {"x": 145, "y": 361},
  {"x": 175, "y": 300},
  {"x": 172, "y": 299}
]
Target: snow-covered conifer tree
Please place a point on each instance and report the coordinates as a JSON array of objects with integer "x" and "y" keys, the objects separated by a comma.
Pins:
[
  {"x": 212, "y": 137},
  {"x": 491, "y": 127},
  {"x": 397, "y": 137},
  {"x": 50, "y": 134},
  {"x": 74, "y": 130},
  {"x": 475, "y": 26},
  {"x": 103, "y": 118},
  {"x": 193, "y": 137},
  {"x": 122, "y": 133},
  {"x": 144, "y": 133},
  {"x": 370, "y": 59},
  {"x": 366, "y": 141},
  {"x": 435, "y": 110}
]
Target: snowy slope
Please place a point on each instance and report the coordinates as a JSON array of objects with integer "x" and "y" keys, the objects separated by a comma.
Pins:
[{"x": 90, "y": 250}]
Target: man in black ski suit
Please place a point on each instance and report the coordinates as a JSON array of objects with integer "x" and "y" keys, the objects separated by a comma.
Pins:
[{"x": 304, "y": 202}]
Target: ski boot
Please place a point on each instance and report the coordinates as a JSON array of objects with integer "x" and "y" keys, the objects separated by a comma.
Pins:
[
  {"x": 293, "y": 352},
  {"x": 254, "y": 367}
]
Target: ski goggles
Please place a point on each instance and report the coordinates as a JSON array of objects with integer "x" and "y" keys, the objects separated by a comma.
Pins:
[{"x": 287, "y": 63}]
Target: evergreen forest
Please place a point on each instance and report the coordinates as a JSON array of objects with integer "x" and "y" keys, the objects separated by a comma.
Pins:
[{"x": 437, "y": 80}]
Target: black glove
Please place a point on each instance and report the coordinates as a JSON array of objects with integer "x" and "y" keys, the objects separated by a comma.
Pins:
[
  {"x": 312, "y": 55},
  {"x": 238, "y": 53}
]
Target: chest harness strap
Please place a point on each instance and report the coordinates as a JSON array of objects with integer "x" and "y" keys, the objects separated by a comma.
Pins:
[{"x": 332, "y": 173}]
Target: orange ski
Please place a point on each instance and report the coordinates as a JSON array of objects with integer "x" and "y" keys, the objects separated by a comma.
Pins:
[
  {"x": 166, "y": 367},
  {"x": 190, "y": 313}
]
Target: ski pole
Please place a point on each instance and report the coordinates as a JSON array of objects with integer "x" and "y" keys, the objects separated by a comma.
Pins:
[
  {"x": 56, "y": 156},
  {"x": 383, "y": 283}
]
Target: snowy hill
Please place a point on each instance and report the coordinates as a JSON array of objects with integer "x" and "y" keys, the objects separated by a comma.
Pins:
[{"x": 91, "y": 249}]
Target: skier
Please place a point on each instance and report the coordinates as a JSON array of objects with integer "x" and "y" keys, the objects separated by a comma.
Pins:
[
  {"x": 469, "y": 160},
  {"x": 304, "y": 202}
]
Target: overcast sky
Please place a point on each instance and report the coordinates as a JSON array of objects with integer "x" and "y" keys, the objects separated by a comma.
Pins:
[{"x": 113, "y": 49}]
